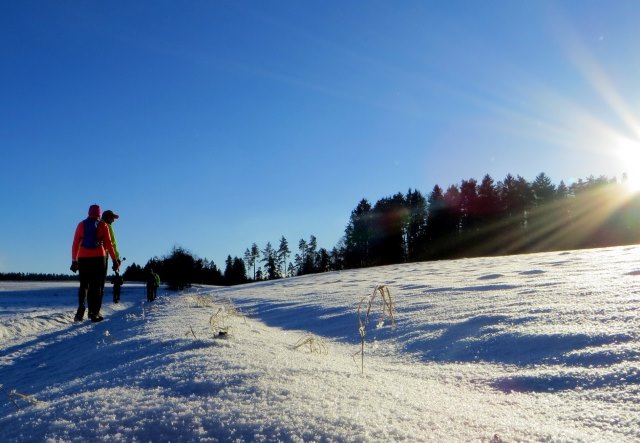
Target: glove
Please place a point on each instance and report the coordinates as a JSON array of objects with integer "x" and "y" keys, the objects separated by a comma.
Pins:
[
  {"x": 74, "y": 266},
  {"x": 116, "y": 266}
]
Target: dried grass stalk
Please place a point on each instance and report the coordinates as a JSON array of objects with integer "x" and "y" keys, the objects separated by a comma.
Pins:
[
  {"x": 202, "y": 301},
  {"x": 363, "y": 319},
  {"x": 14, "y": 396},
  {"x": 218, "y": 321},
  {"x": 314, "y": 344}
]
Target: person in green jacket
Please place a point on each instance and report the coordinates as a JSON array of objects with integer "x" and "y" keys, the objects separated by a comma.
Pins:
[
  {"x": 109, "y": 217},
  {"x": 153, "y": 282}
]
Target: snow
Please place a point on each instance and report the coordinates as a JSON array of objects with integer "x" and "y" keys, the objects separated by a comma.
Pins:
[{"x": 540, "y": 347}]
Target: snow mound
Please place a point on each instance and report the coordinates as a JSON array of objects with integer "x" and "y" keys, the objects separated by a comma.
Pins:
[{"x": 543, "y": 353}]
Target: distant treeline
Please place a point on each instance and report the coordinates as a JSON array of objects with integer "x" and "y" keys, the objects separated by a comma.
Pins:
[
  {"x": 21, "y": 276},
  {"x": 180, "y": 269},
  {"x": 472, "y": 219},
  {"x": 475, "y": 219}
]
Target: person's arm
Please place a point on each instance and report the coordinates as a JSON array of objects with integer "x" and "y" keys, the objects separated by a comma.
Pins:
[
  {"x": 77, "y": 239},
  {"x": 113, "y": 241},
  {"x": 106, "y": 240},
  {"x": 75, "y": 247}
]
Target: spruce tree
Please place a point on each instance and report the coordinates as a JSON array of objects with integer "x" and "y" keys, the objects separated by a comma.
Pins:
[
  {"x": 269, "y": 258},
  {"x": 416, "y": 229},
  {"x": 436, "y": 219},
  {"x": 358, "y": 235},
  {"x": 544, "y": 190},
  {"x": 389, "y": 218}
]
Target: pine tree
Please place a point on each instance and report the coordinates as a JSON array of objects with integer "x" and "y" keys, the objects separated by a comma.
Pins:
[
  {"x": 516, "y": 198},
  {"x": 562, "y": 191},
  {"x": 489, "y": 218},
  {"x": 255, "y": 255},
  {"x": 249, "y": 260},
  {"x": 452, "y": 219},
  {"x": 469, "y": 206},
  {"x": 301, "y": 258},
  {"x": 283, "y": 255},
  {"x": 469, "y": 217},
  {"x": 337, "y": 256},
  {"x": 239, "y": 271},
  {"x": 324, "y": 261},
  {"x": 544, "y": 190},
  {"x": 228, "y": 270},
  {"x": 389, "y": 218},
  {"x": 310, "y": 263},
  {"x": 436, "y": 218},
  {"x": 358, "y": 235},
  {"x": 488, "y": 199},
  {"x": 416, "y": 230},
  {"x": 269, "y": 258}
]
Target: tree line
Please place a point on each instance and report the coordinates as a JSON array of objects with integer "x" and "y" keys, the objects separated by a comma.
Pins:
[
  {"x": 472, "y": 219},
  {"x": 22, "y": 276},
  {"x": 512, "y": 216},
  {"x": 180, "y": 268}
]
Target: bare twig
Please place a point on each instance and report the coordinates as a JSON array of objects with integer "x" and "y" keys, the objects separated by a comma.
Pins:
[{"x": 14, "y": 395}]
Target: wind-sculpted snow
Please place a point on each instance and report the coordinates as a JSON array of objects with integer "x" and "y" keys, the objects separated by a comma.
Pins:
[{"x": 540, "y": 347}]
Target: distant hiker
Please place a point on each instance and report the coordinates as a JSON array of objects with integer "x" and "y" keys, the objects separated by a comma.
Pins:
[
  {"x": 109, "y": 217},
  {"x": 89, "y": 257},
  {"x": 117, "y": 281},
  {"x": 153, "y": 282}
]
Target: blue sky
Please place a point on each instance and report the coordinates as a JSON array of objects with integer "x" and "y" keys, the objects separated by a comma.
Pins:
[{"x": 215, "y": 124}]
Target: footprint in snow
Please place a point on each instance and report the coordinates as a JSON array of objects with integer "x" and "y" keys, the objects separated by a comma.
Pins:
[
  {"x": 490, "y": 277},
  {"x": 533, "y": 272}
]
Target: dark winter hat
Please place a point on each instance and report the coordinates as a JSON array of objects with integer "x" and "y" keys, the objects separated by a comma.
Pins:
[
  {"x": 94, "y": 211},
  {"x": 110, "y": 214}
]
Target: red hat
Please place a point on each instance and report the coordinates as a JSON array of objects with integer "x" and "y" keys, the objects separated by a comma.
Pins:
[
  {"x": 94, "y": 211},
  {"x": 109, "y": 213}
]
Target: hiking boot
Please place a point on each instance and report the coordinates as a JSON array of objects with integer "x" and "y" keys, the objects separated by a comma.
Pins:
[
  {"x": 95, "y": 318},
  {"x": 79, "y": 314}
]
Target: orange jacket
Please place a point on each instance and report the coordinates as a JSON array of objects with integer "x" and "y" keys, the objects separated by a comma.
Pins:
[{"x": 102, "y": 234}]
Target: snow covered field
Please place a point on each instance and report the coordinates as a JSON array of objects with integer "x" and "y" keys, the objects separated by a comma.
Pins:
[{"x": 541, "y": 347}]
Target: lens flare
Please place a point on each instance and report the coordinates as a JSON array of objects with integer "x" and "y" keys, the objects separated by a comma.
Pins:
[{"x": 628, "y": 152}]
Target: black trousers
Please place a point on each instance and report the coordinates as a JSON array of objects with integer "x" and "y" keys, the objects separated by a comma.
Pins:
[
  {"x": 91, "y": 271},
  {"x": 104, "y": 274},
  {"x": 152, "y": 293},
  {"x": 116, "y": 292}
]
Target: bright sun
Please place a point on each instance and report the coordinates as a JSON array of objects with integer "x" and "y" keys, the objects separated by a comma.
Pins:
[{"x": 629, "y": 153}]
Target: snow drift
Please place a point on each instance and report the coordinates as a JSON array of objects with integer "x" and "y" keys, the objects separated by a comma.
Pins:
[{"x": 540, "y": 347}]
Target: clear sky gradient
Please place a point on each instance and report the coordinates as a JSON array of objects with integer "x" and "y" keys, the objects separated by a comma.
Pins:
[{"x": 215, "y": 124}]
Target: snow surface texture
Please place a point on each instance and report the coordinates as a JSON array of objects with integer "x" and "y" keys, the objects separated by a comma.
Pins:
[{"x": 541, "y": 347}]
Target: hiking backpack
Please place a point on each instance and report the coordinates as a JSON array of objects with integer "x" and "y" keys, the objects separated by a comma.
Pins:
[{"x": 90, "y": 237}]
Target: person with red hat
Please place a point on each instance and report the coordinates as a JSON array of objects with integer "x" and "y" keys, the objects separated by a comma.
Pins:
[{"x": 89, "y": 258}]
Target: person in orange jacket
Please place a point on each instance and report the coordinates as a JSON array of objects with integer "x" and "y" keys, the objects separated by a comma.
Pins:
[{"x": 89, "y": 258}]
